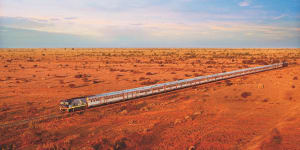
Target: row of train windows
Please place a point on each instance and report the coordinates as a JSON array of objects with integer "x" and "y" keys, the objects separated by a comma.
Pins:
[
  {"x": 171, "y": 86},
  {"x": 104, "y": 98},
  {"x": 94, "y": 100}
]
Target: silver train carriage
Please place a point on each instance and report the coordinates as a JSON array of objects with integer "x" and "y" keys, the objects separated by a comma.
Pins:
[{"x": 117, "y": 96}]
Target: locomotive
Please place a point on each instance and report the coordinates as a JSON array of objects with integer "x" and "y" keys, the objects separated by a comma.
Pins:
[{"x": 74, "y": 104}]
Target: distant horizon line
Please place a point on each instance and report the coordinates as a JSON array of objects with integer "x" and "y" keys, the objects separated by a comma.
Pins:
[{"x": 149, "y": 48}]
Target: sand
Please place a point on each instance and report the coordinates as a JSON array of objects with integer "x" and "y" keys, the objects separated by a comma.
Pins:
[{"x": 210, "y": 116}]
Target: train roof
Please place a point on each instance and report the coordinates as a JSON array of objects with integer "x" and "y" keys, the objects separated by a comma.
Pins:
[
  {"x": 77, "y": 98},
  {"x": 176, "y": 82}
]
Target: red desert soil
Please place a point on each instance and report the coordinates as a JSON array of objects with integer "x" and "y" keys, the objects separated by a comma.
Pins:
[{"x": 258, "y": 111}]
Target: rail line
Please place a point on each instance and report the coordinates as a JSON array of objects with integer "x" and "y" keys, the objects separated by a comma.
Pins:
[
  {"x": 38, "y": 118},
  {"x": 21, "y": 122},
  {"x": 112, "y": 97}
]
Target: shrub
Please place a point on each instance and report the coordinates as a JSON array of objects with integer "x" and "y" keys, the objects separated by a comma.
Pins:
[
  {"x": 72, "y": 85},
  {"x": 175, "y": 79},
  {"x": 86, "y": 79},
  {"x": 32, "y": 125},
  {"x": 149, "y": 82},
  {"x": 4, "y": 107},
  {"x": 120, "y": 144},
  {"x": 48, "y": 146},
  {"x": 142, "y": 78},
  {"x": 247, "y": 61},
  {"x": 78, "y": 76},
  {"x": 228, "y": 82},
  {"x": 96, "y": 81},
  {"x": 30, "y": 60},
  {"x": 197, "y": 74},
  {"x": 187, "y": 75},
  {"x": 97, "y": 146},
  {"x": 70, "y": 139},
  {"x": 211, "y": 62},
  {"x": 275, "y": 61},
  {"x": 261, "y": 62},
  {"x": 7, "y": 146},
  {"x": 150, "y": 73},
  {"x": 82, "y": 76},
  {"x": 246, "y": 94},
  {"x": 140, "y": 105},
  {"x": 172, "y": 96}
]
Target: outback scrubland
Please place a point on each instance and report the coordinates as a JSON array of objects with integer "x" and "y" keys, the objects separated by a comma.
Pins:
[{"x": 258, "y": 111}]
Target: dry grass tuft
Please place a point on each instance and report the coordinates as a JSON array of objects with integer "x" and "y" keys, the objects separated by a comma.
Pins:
[{"x": 246, "y": 94}]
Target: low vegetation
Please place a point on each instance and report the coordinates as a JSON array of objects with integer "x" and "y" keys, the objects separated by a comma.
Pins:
[
  {"x": 246, "y": 94},
  {"x": 33, "y": 82}
]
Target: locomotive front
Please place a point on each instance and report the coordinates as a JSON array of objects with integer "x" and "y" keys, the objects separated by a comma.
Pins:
[
  {"x": 73, "y": 104},
  {"x": 64, "y": 105}
]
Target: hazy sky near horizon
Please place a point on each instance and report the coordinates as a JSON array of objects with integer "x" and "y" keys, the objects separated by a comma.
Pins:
[{"x": 149, "y": 23}]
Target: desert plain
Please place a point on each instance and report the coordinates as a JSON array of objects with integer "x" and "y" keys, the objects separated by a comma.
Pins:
[{"x": 257, "y": 111}]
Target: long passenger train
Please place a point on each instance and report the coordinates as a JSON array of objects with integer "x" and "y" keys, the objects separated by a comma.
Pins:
[{"x": 117, "y": 96}]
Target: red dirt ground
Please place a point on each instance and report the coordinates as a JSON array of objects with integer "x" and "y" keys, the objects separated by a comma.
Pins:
[{"x": 258, "y": 111}]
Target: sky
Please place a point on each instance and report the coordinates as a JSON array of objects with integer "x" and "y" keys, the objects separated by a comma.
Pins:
[{"x": 150, "y": 23}]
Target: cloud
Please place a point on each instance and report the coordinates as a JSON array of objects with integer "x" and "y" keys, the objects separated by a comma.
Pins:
[
  {"x": 54, "y": 19},
  {"x": 139, "y": 30},
  {"x": 70, "y": 18},
  {"x": 258, "y": 6},
  {"x": 245, "y": 3},
  {"x": 24, "y": 38},
  {"x": 137, "y": 24},
  {"x": 22, "y": 22},
  {"x": 141, "y": 21},
  {"x": 279, "y": 17}
]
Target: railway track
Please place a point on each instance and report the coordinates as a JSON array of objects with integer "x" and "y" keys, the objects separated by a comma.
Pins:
[{"x": 37, "y": 119}]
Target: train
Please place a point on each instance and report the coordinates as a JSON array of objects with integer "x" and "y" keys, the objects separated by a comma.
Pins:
[{"x": 81, "y": 103}]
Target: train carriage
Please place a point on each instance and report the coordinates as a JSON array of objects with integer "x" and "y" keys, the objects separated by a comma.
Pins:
[{"x": 112, "y": 97}]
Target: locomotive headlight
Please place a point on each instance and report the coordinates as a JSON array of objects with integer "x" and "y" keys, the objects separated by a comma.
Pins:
[{"x": 64, "y": 103}]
